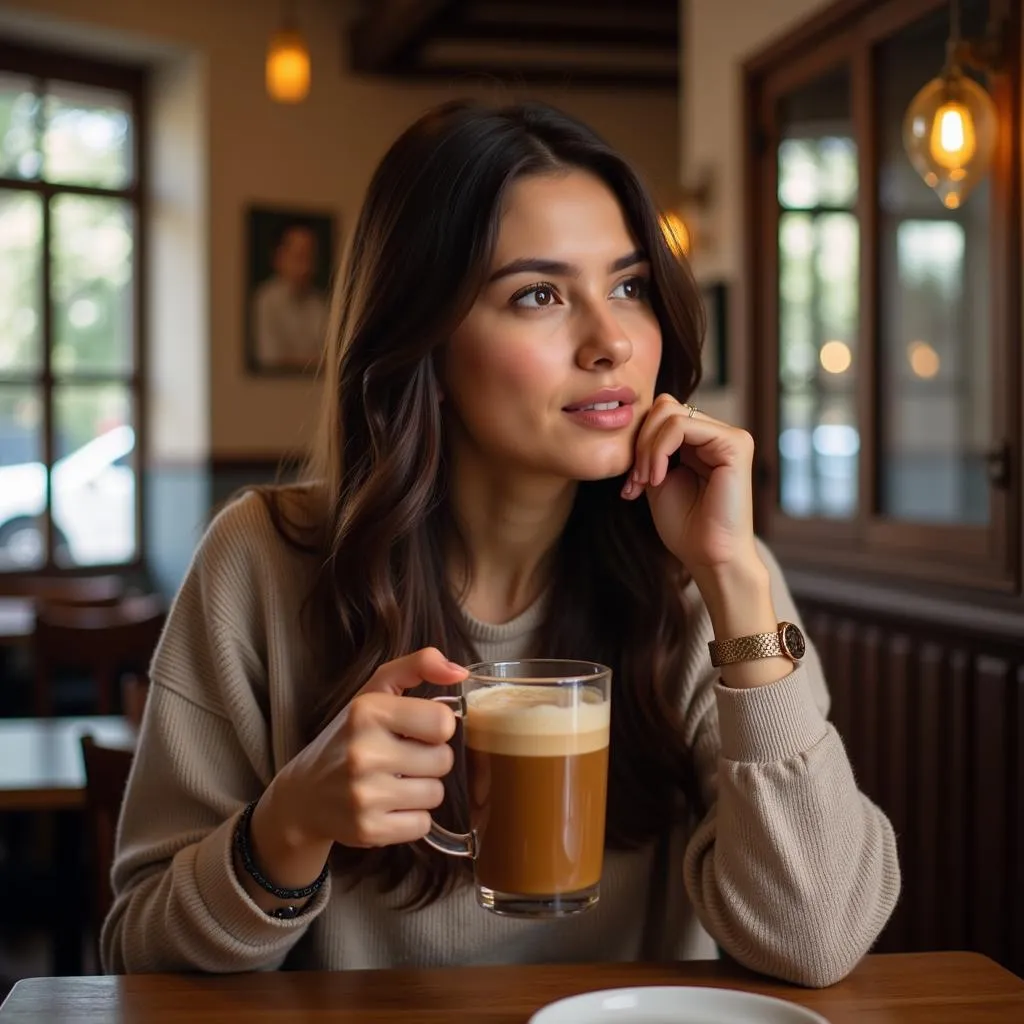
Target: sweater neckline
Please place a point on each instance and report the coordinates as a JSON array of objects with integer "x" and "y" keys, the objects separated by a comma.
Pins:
[{"x": 510, "y": 632}]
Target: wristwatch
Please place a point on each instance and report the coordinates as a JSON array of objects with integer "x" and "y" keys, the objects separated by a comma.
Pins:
[{"x": 787, "y": 641}]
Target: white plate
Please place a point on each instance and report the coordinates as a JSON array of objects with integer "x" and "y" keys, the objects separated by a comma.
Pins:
[{"x": 673, "y": 1005}]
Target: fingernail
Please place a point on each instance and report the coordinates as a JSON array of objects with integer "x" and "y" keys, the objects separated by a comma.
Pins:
[
  {"x": 453, "y": 666},
  {"x": 635, "y": 478}
]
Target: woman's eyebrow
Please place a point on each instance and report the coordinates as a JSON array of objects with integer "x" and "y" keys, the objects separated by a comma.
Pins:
[{"x": 556, "y": 268}]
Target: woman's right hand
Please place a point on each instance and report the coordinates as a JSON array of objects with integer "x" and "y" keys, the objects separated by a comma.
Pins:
[{"x": 369, "y": 779}]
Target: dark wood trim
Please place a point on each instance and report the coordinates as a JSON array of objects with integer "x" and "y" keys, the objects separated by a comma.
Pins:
[
  {"x": 70, "y": 66},
  {"x": 764, "y": 357},
  {"x": 140, "y": 285},
  {"x": 888, "y": 19},
  {"x": 50, "y": 189},
  {"x": 862, "y": 108},
  {"x": 940, "y": 608},
  {"x": 388, "y": 35},
  {"x": 46, "y": 298},
  {"x": 1008, "y": 363},
  {"x": 819, "y": 28},
  {"x": 831, "y": 54}
]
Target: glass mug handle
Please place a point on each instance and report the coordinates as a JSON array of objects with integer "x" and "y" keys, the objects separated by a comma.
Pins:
[{"x": 455, "y": 844}]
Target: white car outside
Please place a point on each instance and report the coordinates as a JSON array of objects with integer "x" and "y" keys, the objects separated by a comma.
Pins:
[{"x": 93, "y": 505}]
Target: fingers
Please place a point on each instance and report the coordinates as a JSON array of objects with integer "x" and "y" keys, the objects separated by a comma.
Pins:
[
  {"x": 391, "y": 829},
  {"x": 664, "y": 406},
  {"x": 425, "y": 665},
  {"x": 668, "y": 429},
  {"x": 422, "y": 760},
  {"x": 371, "y": 714}
]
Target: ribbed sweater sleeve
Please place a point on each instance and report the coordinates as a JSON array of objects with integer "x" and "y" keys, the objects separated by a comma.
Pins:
[
  {"x": 793, "y": 871},
  {"x": 203, "y": 753}
]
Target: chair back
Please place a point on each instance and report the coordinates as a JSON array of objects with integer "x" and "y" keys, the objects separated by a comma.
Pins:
[
  {"x": 106, "y": 775},
  {"x": 100, "y": 641}
]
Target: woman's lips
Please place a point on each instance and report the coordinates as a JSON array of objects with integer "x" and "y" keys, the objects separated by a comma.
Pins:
[{"x": 600, "y": 417}]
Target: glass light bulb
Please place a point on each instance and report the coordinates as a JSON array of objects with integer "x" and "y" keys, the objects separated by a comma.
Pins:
[
  {"x": 953, "y": 142},
  {"x": 949, "y": 133},
  {"x": 287, "y": 67}
]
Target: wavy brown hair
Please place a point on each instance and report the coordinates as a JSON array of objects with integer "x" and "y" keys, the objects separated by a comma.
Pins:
[{"x": 417, "y": 259}]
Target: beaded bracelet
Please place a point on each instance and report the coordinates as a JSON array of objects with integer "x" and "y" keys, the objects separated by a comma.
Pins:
[{"x": 242, "y": 845}]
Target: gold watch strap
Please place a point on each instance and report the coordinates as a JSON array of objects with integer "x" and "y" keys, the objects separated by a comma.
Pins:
[{"x": 745, "y": 648}]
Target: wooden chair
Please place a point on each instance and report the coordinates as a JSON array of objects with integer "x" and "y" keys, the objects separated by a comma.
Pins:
[
  {"x": 106, "y": 775},
  {"x": 99, "y": 642}
]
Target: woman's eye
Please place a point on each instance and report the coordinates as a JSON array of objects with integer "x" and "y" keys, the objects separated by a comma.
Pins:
[
  {"x": 632, "y": 288},
  {"x": 537, "y": 296}
]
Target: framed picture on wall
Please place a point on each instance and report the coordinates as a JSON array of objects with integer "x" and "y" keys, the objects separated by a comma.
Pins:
[
  {"x": 715, "y": 358},
  {"x": 289, "y": 260}
]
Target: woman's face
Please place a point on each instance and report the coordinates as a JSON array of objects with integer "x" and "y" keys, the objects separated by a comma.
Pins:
[{"x": 554, "y": 367}]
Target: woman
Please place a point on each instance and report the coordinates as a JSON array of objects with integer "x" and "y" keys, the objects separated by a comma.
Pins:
[{"x": 506, "y": 466}]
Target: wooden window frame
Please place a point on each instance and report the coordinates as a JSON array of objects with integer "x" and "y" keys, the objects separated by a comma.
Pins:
[
  {"x": 870, "y": 544},
  {"x": 42, "y": 66}
]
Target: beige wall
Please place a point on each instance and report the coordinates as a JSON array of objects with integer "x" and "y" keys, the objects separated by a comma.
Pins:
[
  {"x": 718, "y": 35},
  {"x": 318, "y": 154}
]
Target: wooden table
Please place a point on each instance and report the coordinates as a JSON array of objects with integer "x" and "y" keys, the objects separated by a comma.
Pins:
[
  {"x": 41, "y": 761},
  {"x": 17, "y": 620},
  {"x": 911, "y": 988}
]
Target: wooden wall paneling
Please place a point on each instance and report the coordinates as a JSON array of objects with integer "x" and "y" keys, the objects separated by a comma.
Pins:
[
  {"x": 928, "y": 696},
  {"x": 866, "y": 747},
  {"x": 933, "y": 720},
  {"x": 894, "y": 776},
  {"x": 953, "y": 860},
  {"x": 990, "y": 827}
]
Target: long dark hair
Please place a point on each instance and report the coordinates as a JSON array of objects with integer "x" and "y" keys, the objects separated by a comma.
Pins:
[{"x": 415, "y": 263}]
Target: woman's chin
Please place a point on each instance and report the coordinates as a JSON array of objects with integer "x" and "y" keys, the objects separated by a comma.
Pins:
[{"x": 605, "y": 469}]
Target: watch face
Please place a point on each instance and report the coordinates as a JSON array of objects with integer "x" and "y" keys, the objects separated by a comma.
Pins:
[{"x": 793, "y": 641}]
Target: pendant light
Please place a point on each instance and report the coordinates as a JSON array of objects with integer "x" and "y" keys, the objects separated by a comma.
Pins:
[
  {"x": 287, "y": 67},
  {"x": 949, "y": 130}
]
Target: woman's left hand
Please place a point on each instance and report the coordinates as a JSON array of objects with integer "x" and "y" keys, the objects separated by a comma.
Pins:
[{"x": 702, "y": 508}]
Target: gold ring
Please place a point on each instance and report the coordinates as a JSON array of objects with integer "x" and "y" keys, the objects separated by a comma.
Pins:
[{"x": 692, "y": 409}]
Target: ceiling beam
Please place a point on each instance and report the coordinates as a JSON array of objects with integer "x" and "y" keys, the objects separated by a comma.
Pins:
[
  {"x": 575, "y": 35},
  {"x": 388, "y": 34},
  {"x": 469, "y": 75}
]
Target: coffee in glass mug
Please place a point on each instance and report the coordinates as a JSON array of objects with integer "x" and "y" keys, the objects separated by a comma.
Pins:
[{"x": 536, "y": 743}]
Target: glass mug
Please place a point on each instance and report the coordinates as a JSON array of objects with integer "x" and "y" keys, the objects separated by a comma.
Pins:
[{"x": 535, "y": 734}]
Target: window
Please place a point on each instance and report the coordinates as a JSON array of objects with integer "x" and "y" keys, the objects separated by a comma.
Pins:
[
  {"x": 71, "y": 396},
  {"x": 884, "y": 327}
]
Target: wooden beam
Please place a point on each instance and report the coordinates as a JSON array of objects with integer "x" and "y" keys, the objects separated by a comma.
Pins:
[
  {"x": 387, "y": 36},
  {"x": 536, "y": 74},
  {"x": 576, "y": 35}
]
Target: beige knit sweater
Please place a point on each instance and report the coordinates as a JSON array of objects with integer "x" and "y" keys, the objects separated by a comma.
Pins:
[{"x": 793, "y": 871}]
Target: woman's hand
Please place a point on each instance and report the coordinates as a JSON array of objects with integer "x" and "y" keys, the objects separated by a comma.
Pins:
[
  {"x": 369, "y": 779},
  {"x": 703, "y": 508}
]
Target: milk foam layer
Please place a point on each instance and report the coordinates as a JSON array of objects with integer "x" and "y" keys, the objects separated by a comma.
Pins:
[{"x": 536, "y": 721}]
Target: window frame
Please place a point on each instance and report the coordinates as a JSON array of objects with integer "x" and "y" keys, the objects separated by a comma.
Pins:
[
  {"x": 869, "y": 544},
  {"x": 43, "y": 65}
]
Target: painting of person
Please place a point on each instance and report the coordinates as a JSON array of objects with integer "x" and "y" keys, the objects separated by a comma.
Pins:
[{"x": 290, "y": 267}]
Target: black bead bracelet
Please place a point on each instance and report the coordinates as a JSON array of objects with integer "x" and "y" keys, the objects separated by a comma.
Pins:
[{"x": 245, "y": 852}]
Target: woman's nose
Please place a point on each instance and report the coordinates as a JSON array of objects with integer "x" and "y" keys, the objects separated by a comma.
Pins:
[{"x": 603, "y": 342}]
